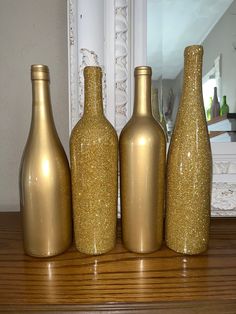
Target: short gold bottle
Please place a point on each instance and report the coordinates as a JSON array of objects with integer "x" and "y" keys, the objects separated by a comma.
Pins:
[
  {"x": 142, "y": 166},
  {"x": 189, "y": 166},
  {"x": 94, "y": 154},
  {"x": 45, "y": 188}
]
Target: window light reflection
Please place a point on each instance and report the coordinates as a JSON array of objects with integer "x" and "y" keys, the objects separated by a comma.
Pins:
[{"x": 45, "y": 168}]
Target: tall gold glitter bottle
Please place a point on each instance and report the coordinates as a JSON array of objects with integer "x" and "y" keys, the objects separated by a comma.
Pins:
[
  {"x": 142, "y": 165},
  {"x": 45, "y": 186},
  {"x": 94, "y": 154},
  {"x": 189, "y": 166}
]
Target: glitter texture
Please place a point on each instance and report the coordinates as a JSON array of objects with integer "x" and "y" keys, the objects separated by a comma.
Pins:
[
  {"x": 94, "y": 149},
  {"x": 189, "y": 166}
]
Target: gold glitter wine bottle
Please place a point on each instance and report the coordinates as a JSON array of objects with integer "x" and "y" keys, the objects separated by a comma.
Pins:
[
  {"x": 94, "y": 154},
  {"x": 45, "y": 187},
  {"x": 189, "y": 166},
  {"x": 142, "y": 165}
]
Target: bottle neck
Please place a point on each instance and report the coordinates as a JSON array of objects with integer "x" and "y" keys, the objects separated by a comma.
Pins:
[
  {"x": 41, "y": 92},
  {"x": 224, "y": 100},
  {"x": 42, "y": 111},
  {"x": 193, "y": 72},
  {"x": 215, "y": 99},
  {"x": 93, "y": 101},
  {"x": 142, "y": 97}
]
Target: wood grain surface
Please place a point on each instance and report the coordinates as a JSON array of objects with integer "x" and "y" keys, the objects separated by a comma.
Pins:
[{"x": 120, "y": 281}]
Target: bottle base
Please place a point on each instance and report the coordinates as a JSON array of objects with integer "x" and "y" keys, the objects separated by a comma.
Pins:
[
  {"x": 47, "y": 255},
  {"x": 95, "y": 253},
  {"x": 141, "y": 250},
  {"x": 186, "y": 251}
]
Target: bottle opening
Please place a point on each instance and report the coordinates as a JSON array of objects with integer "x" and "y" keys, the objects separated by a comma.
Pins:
[
  {"x": 193, "y": 50},
  {"x": 40, "y": 72},
  {"x": 143, "y": 70},
  {"x": 92, "y": 70}
]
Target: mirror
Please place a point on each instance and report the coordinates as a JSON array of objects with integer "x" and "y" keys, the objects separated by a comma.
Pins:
[
  {"x": 124, "y": 47},
  {"x": 211, "y": 23}
]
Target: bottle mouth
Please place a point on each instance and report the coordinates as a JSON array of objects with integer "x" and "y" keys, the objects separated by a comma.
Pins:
[
  {"x": 143, "y": 70},
  {"x": 40, "y": 72},
  {"x": 193, "y": 50},
  {"x": 92, "y": 70}
]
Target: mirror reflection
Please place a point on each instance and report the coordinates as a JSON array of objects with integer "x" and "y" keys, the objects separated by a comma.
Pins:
[{"x": 171, "y": 26}]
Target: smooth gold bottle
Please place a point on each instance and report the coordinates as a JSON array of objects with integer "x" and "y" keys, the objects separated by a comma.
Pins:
[
  {"x": 45, "y": 188},
  {"x": 189, "y": 166},
  {"x": 142, "y": 166},
  {"x": 94, "y": 154}
]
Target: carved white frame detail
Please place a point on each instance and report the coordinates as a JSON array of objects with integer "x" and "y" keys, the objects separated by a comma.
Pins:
[
  {"x": 124, "y": 48},
  {"x": 72, "y": 35},
  {"x": 224, "y": 179},
  {"x": 122, "y": 66}
]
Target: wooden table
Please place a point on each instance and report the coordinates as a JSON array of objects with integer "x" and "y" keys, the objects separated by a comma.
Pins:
[{"x": 161, "y": 282}]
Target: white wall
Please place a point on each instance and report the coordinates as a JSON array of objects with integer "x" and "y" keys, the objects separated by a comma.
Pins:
[
  {"x": 219, "y": 41},
  {"x": 31, "y": 31}
]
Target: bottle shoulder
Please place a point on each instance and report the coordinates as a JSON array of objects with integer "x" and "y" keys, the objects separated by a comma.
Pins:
[
  {"x": 41, "y": 159},
  {"x": 43, "y": 140},
  {"x": 193, "y": 141},
  {"x": 146, "y": 124},
  {"x": 139, "y": 127},
  {"x": 96, "y": 129}
]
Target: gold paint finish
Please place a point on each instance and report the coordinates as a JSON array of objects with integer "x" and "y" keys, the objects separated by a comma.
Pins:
[
  {"x": 45, "y": 190},
  {"x": 142, "y": 166},
  {"x": 189, "y": 167},
  {"x": 94, "y": 154},
  {"x": 40, "y": 72}
]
